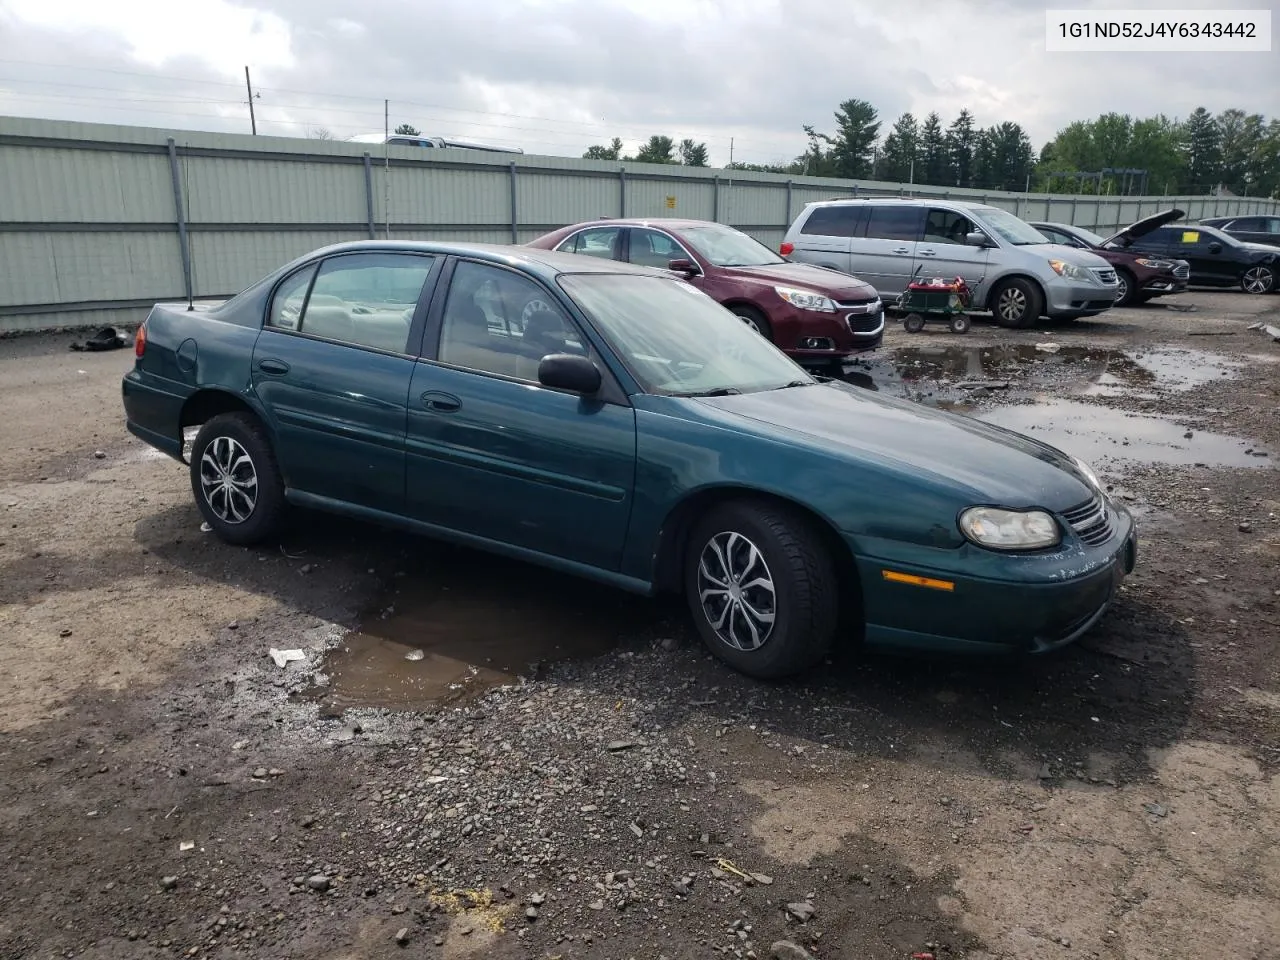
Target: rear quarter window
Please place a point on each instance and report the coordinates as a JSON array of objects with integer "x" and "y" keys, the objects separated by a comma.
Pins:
[{"x": 835, "y": 221}]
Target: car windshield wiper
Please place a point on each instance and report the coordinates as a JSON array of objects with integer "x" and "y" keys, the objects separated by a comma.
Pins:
[
  {"x": 798, "y": 383},
  {"x": 716, "y": 392}
]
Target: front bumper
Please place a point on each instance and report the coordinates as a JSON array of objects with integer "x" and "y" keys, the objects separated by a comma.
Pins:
[
  {"x": 1072, "y": 298},
  {"x": 1164, "y": 284},
  {"x": 980, "y": 615},
  {"x": 805, "y": 335}
]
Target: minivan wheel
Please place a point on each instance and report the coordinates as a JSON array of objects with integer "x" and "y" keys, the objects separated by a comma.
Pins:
[
  {"x": 762, "y": 589},
  {"x": 1017, "y": 303},
  {"x": 1127, "y": 292},
  {"x": 1258, "y": 279},
  {"x": 235, "y": 479},
  {"x": 754, "y": 319}
]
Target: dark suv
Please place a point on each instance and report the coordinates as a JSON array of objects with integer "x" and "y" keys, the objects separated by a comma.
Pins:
[
  {"x": 810, "y": 313},
  {"x": 1217, "y": 259},
  {"x": 1140, "y": 277},
  {"x": 1265, "y": 230}
]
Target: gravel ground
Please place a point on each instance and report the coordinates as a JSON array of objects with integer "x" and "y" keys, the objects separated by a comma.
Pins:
[{"x": 566, "y": 773}]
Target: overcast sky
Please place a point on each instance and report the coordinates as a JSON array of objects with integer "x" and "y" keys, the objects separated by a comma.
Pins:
[{"x": 555, "y": 76}]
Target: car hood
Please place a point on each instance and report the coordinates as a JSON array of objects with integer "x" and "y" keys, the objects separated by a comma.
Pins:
[
  {"x": 1144, "y": 226},
  {"x": 831, "y": 283},
  {"x": 1255, "y": 248},
  {"x": 980, "y": 462}
]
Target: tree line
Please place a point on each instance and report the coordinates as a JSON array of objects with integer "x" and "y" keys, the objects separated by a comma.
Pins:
[{"x": 1113, "y": 154}]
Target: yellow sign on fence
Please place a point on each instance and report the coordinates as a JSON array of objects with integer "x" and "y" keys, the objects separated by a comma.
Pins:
[{"x": 671, "y": 203}]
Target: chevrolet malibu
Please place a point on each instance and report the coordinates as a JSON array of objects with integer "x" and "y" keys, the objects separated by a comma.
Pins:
[{"x": 615, "y": 422}]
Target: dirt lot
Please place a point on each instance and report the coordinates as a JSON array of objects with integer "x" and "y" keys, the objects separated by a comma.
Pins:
[{"x": 564, "y": 773}]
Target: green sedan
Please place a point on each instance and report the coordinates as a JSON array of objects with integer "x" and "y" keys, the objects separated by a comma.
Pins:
[{"x": 614, "y": 422}]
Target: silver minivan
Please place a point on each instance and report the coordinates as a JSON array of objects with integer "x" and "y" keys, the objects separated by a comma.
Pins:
[{"x": 1013, "y": 270}]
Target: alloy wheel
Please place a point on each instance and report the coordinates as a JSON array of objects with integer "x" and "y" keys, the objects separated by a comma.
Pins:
[
  {"x": 1258, "y": 280},
  {"x": 736, "y": 591},
  {"x": 1122, "y": 288},
  {"x": 1012, "y": 304},
  {"x": 228, "y": 480}
]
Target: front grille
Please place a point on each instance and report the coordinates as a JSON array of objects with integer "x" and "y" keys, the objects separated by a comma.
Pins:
[
  {"x": 1105, "y": 274},
  {"x": 1090, "y": 521},
  {"x": 864, "y": 316},
  {"x": 1182, "y": 271}
]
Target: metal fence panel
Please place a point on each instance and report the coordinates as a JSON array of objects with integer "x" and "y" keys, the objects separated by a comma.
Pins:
[{"x": 92, "y": 217}]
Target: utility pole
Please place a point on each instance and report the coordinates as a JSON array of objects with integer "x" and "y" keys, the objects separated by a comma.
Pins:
[
  {"x": 253, "y": 121},
  {"x": 731, "y": 151},
  {"x": 386, "y": 164}
]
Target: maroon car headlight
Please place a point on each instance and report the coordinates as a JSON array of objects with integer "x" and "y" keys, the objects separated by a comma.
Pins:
[
  {"x": 1156, "y": 264},
  {"x": 806, "y": 299},
  {"x": 1000, "y": 529}
]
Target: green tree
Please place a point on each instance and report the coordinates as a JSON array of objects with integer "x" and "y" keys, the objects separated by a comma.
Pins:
[
  {"x": 961, "y": 140},
  {"x": 1240, "y": 135},
  {"x": 817, "y": 160},
  {"x": 693, "y": 154},
  {"x": 851, "y": 147},
  {"x": 657, "y": 150},
  {"x": 1011, "y": 157},
  {"x": 408, "y": 130},
  {"x": 899, "y": 155},
  {"x": 1202, "y": 151},
  {"x": 612, "y": 152},
  {"x": 1264, "y": 163},
  {"x": 933, "y": 154}
]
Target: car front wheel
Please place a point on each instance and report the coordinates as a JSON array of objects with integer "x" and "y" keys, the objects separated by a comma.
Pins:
[
  {"x": 1017, "y": 304},
  {"x": 762, "y": 588},
  {"x": 754, "y": 319},
  {"x": 235, "y": 479},
  {"x": 1258, "y": 279}
]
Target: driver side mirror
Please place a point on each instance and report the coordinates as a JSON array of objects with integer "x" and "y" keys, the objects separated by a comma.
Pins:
[
  {"x": 977, "y": 239},
  {"x": 684, "y": 265},
  {"x": 1215, "y": 247},
  {"x": 565, "y": 371}
]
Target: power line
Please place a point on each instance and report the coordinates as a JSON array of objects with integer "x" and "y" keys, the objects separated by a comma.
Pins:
[{"x": 594, "y": 125}]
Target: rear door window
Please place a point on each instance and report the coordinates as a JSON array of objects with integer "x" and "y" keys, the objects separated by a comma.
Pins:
[
  {"x": 597, "y": 242},
  {"x": 891, "y": 222},
  {"x": 836, "y": 221},
  {"x": 367, "y": 299}
]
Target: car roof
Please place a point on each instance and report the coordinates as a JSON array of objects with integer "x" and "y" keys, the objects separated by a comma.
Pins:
[
  {"x": 1054, "y": 223},
  {"x": 545, "y": 262},
  {"x": 674, "y": 223},
  {"x": 903, "y": 201}
]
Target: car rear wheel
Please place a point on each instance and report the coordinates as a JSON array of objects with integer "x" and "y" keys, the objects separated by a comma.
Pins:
[
  {"x": 762, "y": 588},
  {"x": 1258, "y": 279},
  {"x": 235, "y": 479},
  {"x": 1127, "y": 292},
  {"x": 754, "y": 319},
  {"x": 1017, "y": 303}
]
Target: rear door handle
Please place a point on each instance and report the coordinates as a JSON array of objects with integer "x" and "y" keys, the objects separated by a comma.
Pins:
[
  {"x": 902, "y": 250},
  {"x": 441, "y": 402},
  {"x": 273, "y": 366}
]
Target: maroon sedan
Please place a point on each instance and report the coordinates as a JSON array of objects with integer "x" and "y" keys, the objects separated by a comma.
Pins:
[{"x": 810, "y": 312}]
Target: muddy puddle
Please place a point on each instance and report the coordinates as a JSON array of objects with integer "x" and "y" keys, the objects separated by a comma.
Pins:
[
  {"x": 946, "y": 372},
  {"x": 1097, "y": 434},
  {"x": 465, "y": 623}
]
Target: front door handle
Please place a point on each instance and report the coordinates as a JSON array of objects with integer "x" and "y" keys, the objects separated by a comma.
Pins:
[
  {"x": 273, "y": 366},
  {"x": 441, "y": 402},
  {"x": 928, "y": 253}
]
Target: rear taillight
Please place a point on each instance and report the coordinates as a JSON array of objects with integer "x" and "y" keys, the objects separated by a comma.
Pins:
[
  {"x": 140, "y": 341},
  {"x": 786, "y": 249}
]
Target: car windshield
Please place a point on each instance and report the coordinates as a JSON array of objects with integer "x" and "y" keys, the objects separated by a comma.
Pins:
[
  {"x": 727, "y": 247},
  {"x": 676, "y": 340},
  {"x": 1008, "y": 227},
  {"x": 1088, "y": 236}
]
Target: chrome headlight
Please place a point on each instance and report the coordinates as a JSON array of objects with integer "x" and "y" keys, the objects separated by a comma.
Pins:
[
  {"x": 806, "y": 299},
  {"x": 1070, "y": 270},
  {"x": 1155, "y": 264},
  {"x": 1010, "y": 529}
]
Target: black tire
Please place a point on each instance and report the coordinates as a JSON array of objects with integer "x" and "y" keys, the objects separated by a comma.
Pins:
[
  {"x": 227, "y": 506},
  {"x": 960, "y": 323},
  {"x": 913, "y": 323},
  {"x": 755, "y": 319},
  {"x": 1129, "y": 292},
  {"x": 805, "y": 597},
  {"x": 1259, "y": 279},
  {"x": 1017, "y": 304}
]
